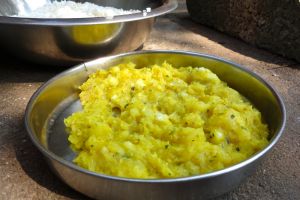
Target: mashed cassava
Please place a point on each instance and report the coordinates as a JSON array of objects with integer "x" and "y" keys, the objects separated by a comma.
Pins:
[{"x": 162, "y": 122}]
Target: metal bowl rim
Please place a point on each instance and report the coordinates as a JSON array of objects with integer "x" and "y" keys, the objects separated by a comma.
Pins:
[
  {"x": 237, "y": 166},
  {"x": 168, "y": 6}
]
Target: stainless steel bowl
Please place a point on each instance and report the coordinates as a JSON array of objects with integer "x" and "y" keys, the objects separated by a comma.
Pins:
[
  {"x": 58, "y": 98},
  {"x": 70, "y": 41}
]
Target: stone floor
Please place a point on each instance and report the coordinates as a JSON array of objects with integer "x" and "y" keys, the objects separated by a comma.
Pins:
[{"x": 25, "y": 175}]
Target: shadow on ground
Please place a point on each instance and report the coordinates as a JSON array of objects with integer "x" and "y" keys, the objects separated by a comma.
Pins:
[
  {"x": 16, "y": 70},
  {"x": 35, "y": 166}
]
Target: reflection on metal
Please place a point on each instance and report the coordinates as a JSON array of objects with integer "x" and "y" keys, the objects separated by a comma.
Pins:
[{"x": 95, "y": 34}]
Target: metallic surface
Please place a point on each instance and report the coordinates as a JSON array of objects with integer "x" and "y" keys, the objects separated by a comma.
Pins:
[
  {"x": 69, "y": 41},
  {"x": 58, "y": 98}
]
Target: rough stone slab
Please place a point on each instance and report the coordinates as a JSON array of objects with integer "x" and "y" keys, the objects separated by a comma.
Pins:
[{"x": 270, "y": 24}]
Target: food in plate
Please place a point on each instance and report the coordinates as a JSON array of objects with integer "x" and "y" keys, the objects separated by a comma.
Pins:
[
  {"x": 162, "y": 122},
  {"x": 71, "y": 9}
]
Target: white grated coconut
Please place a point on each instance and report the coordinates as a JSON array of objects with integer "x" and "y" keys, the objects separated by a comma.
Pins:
[{"x": 71, "y": 9}]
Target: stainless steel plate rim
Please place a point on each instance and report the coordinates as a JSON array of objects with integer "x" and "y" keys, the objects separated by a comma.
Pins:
[
  {"x": 259, "y": 154},
  {"x": 167, "y": 7}
]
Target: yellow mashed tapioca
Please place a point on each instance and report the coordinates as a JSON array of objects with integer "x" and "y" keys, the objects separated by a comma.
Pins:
[{"x": 162, "y": 122}]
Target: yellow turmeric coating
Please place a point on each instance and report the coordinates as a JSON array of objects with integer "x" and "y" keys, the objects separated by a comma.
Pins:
[{"x": 162, "y": 122}]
